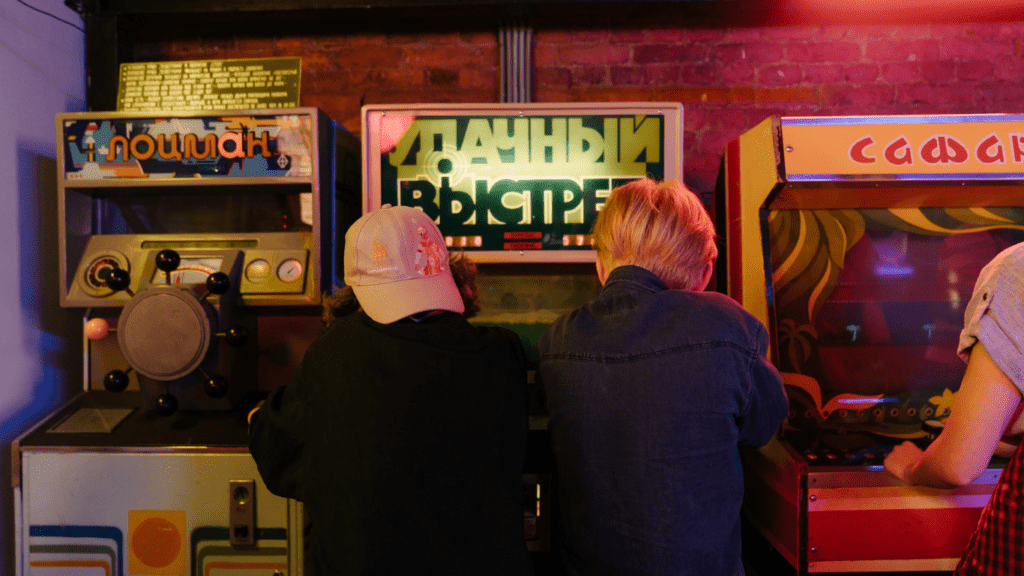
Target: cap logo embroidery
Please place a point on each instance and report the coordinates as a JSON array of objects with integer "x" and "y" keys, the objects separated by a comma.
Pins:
[
  {"x": 381, "y": 262},
  {"x": 429, "y": 256}
]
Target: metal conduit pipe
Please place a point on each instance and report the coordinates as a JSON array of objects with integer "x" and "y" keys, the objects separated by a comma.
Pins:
[{"x": 515, "y": 45}]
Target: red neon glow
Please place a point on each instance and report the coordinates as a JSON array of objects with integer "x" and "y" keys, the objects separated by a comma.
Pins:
[
  {"x": 883, "y": 11},
  {"x": 392, "y": 128}
]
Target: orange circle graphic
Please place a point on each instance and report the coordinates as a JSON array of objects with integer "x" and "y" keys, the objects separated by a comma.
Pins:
[{"x": 156, "y": 542}]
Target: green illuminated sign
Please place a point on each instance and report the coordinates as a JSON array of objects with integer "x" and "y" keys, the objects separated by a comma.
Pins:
[{"x": 516, "y": 182}]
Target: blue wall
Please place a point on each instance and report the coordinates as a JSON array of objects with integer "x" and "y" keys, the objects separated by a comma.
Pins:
[{"x": 42, "y": 73}]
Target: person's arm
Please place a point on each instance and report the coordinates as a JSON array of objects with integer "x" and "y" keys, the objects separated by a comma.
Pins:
[
  {"x": 768, "y": 404},
  {"x": 275, "y": 443},
  {"x": 981, "y": 412}
]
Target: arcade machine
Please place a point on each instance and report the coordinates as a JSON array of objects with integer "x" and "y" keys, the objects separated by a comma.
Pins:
[
  {"x": 857, "y": 241},
  {"x": 517, "y": 188},
  {"x": 197, "y": 247}
]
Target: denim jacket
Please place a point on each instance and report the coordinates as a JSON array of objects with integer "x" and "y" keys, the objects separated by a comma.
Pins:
[{"x": 651, "y": 392}]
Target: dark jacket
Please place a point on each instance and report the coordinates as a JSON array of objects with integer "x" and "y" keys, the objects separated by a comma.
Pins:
[
  {"x": 651, "y": 391},
  {"x": 405, "y": 444}
]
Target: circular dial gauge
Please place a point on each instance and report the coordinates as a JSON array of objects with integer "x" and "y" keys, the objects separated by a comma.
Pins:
[
  {"x": 96, "y": 273},
  {"x": 257, "y": 271},
  {"x": 290, "y": 270}
]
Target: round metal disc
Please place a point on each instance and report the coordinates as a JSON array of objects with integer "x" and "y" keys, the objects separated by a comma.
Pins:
[{"x": 164, "y": 333}]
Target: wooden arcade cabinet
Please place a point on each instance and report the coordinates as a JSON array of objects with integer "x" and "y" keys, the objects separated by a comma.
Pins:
[
  {"x": 857, "y": 241},
  {"x": 516, "y": 187},
  {"x": 197, "y": 246}
]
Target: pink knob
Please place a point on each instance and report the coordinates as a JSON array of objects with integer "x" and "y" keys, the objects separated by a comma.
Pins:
[{"x": 96, "y": 329}]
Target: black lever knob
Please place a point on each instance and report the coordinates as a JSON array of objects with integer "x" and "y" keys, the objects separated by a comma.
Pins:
[
  {"x": 218, "y": 283},
  {"x": 166, "y": 404},
  {"x": 115, "y": 380},
  {"x": 237, "y": 336},
  {"x": 216, "y": 386},
  {"x": 118, "y": 279},
  {"x": 167, "y": 260}
]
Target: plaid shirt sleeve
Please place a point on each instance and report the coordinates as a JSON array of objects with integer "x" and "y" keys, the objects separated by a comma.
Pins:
[{"x": 997, "y": 545}]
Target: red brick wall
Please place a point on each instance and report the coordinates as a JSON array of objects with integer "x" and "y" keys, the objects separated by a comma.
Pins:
[{"x": 728, "y": 78}]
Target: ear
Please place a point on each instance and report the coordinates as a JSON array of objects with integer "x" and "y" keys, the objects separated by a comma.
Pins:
[
  {"x": 705, "y": 278},
  {"x": 602, "y": 275}
]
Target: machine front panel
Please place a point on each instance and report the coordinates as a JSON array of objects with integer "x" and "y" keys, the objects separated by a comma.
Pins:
[{"x": 153, "y": 514}]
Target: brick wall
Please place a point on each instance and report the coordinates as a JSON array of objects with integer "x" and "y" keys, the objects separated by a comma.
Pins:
[{"x": 728, "y": 77}]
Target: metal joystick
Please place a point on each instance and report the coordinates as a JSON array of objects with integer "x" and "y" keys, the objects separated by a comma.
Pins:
[
  {"x": 168, "y": 261},
  {"x": 116, "y": 380},
  {"x": 118, "y": 279}
]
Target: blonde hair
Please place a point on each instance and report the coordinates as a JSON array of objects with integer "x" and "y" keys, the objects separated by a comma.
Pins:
[{"x": 662, "y": 227}]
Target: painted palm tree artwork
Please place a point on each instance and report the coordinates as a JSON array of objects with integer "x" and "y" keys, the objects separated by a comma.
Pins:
[{"x": 868, "y": 306}]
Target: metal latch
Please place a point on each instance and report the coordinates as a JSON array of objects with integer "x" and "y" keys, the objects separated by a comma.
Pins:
[{"x": 242, "y": 513}]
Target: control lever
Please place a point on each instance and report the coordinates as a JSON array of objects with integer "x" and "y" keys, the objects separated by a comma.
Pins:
[
  {"x": 166, "y": 404},
  {"x": 97, "y": 329},
  {"x": 118, "y": 280},
  {"x": 167, "y": 261},
  {"x": 116, "y": 380}
]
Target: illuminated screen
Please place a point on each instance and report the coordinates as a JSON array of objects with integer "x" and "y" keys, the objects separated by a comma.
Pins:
[
  {"x": 871, "y": 301},
  {"x": 515, "y": 181},
  {"x": 528, "y": 303}
]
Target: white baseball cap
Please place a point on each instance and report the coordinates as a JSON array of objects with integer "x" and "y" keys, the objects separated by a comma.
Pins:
[{"x": 397, "y": 264}]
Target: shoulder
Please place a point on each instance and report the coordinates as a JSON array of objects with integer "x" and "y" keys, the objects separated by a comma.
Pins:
[
  {"x": 995, "y": 314},
  {"x": 511, "y": 343},
  {"x": 716, "y": 308},
  {"x": 659, "y": 319},
  {"x": 342, "y": 327},
  {"x": 716, "y": 301},
  {"x": 499, "y": 334},
  {"x": 999, "y": 289},
  {"x": 1006, "y": 268}
]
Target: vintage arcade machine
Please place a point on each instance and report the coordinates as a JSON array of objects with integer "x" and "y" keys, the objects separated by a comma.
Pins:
[
  {"x": 857, "y": 241},
  {"x": 198, "y": 247},
  {"x": 517, "y": 188}
]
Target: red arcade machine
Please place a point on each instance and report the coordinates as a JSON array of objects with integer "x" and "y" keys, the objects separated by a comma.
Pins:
[{"x": 857, "y": 241}]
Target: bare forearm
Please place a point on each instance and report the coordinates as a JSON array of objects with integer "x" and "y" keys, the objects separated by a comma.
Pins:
[
  {"x": 939, "y": 468},
  {"x": 913, "y": 466}
]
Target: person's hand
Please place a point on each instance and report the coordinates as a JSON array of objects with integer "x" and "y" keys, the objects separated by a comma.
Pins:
[{"x": 901, "y": 460}]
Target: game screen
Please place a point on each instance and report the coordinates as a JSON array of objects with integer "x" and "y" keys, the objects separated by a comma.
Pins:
[
  {"x": 869, "y": 305},
  {"x": 528, "y": 303}
]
